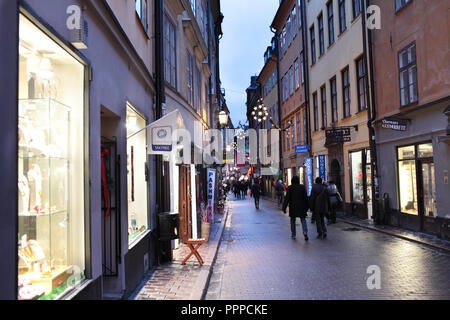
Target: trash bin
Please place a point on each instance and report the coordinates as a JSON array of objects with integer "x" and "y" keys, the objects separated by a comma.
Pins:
[
  {"x": 169, "y": 226},
  {"x": 383, "y": 208}
]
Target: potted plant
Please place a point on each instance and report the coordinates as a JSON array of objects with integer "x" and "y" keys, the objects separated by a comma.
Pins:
[{"x": 221, "y": 206}]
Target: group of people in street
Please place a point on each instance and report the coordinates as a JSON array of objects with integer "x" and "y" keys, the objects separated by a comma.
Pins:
[
  {"x": 240, "y": 189},
  {"x": 323, "y": 202}
]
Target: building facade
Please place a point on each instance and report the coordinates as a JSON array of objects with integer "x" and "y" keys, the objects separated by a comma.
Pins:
[
  {"x": 288, "y": 26},
  {"x": 84, "y": 223},
  {"x": 339, "y": 99},
  {"x": 412, "y": 98}
]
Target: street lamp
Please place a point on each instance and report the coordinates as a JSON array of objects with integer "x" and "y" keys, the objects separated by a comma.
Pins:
[
  {"x": 223, "y": 118},
  {"x": 260, "y": 112}
]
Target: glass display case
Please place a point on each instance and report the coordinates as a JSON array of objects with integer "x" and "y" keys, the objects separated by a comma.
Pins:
[{"x": 44, "y": 197}]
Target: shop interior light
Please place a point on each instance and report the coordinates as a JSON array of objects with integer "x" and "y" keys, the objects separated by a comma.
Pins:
[{"x": 45, "y": 69}]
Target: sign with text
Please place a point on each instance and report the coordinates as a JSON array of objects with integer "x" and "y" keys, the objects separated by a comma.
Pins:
[
  {"x": 309, "y": 174},
  {"x": 162, "y": 139},
  {"x": 322, "y": 167},
  {"x": 211, "y": 184},
  {"x": 395, "y": 124},
  {"x": 301, "y": 149},
  {"x": 338, "y": 132}
]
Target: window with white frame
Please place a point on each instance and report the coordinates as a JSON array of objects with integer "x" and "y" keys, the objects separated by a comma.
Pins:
[
  {"x": 408, "y": 75},
  {"x": 170, "y": 69},
  {"x": 142, "y": 12},
  {"x": 189, "y": 78}
]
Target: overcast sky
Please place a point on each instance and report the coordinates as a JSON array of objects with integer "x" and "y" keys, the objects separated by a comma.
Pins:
[{"x": 246, "y": 36}]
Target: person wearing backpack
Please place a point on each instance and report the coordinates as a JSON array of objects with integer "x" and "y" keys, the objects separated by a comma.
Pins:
[
  {"x": 319, "y": 202},
  {"x": 335, "y": 201}
]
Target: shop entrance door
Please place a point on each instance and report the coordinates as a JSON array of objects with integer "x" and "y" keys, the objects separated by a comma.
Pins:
[
  {"x": 426, "y": 192},
  {"x": 185, "y": 202}
]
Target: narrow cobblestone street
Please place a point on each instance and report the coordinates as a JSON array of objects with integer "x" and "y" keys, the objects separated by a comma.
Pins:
[{"x": 257, "y": 259}]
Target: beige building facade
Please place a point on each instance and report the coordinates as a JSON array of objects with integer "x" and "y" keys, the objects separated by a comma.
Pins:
[{"x": 339, "y": 100}]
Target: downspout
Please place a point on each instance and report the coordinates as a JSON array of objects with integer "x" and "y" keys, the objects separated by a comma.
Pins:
[
  {"x": 306, "y": 69},
  {"x": 368, "y": 57},
  {"x": 160, "y": 96},
  {"x": 277, "y": 54}
]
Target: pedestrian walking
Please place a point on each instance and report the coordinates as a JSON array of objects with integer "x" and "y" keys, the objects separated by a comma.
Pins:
[
  {"x": 256, "y": 192},
  {"x": 335, "y": 201},
  {"x": 279, "y": 190},
  {"x": 319, "y": 202},
  {"x": 297, "y": 200}
]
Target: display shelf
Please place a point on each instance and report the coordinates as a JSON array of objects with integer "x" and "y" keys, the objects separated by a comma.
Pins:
[
  {"x": 44, "y": 192},
  {"x": 21, "y": 214}
]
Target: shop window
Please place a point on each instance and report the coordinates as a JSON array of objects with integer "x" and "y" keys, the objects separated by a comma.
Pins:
[
  {"x": 416, "y": 178},
  {"x": 425, "y": 150},
  {"x": 136, "y": 175},
  {"x": 406, "y": 153},
  {"x": 51, "y": 176},
  {"x": 356, "y": 160},
  {"x": 408, "y": 186}
]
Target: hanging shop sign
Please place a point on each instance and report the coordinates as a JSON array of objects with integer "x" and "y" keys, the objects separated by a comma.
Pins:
[
  {"x": 309, "y": 174},
  {"x": 211, "y": 184},
  {"x": 322, "y": 167},
  {"x": 162, "y": 139},
  {"x": 338, "y": 132},
  {"x": 301, "y": 149},
  {"x": 395, "y": 124}
]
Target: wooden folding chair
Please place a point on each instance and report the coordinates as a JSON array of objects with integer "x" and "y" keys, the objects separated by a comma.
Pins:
[{"x": 197, "y": 243}]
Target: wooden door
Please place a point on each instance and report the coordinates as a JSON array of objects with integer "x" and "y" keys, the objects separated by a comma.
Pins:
[{"x": 185, "y": 202}]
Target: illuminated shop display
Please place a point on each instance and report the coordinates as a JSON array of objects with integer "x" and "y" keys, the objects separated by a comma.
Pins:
[
  {"x": 51, "y": 167},
  {"x": 136, "y": 175},
  {"x": 416, "y": 177}
]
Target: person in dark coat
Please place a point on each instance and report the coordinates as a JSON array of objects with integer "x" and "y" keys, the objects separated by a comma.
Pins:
[
  {"x": 256, "y": 192},
  {"x": 319, "y": 202},
  {"x": 297, "y": 200},
  {"x": 279, "y": 189},
  {"x": 335, "y": 201}
]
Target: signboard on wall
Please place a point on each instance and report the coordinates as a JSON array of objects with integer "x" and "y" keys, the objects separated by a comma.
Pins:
[
  {"x": 394, "y": 124},
  {"x": 322, "y": 167},
  {"x": 301, "y": 149},
  {"x": 211, "y": 184},
  {"x": 309, "y": 174}
]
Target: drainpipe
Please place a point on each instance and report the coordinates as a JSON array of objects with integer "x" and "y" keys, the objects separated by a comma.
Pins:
[
  {"x": 368, "y": 58},
  {"x": 160, "y": 94},
  {"x": 163, "y": 249},
  {"x": 277, "y": 54},
  {"x": 306, "y": 69}
]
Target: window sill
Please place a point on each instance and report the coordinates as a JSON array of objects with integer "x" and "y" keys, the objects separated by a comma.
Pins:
[
  {"x": 397, "y": 11},
  {"x": 358, "y": 17},
  {"x": 347, "y": 117},
  {"x": 144, "y": 29},
  {"x": 362, "y": 111},
  {"x": 331, "y": 45},
  {"x": 342, "y": 33},
  {"x": 415, "y": 103}
]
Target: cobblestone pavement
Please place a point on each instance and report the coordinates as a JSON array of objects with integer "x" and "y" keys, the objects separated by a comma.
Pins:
[
  {"x": 173, "y": 281},
  {"x": 257, "y": 259}
]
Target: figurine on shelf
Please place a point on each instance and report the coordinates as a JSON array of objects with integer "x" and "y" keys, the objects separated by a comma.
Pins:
[
  {"x": 35, "y": 182},
  {"x": 24, "y": 195}
]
